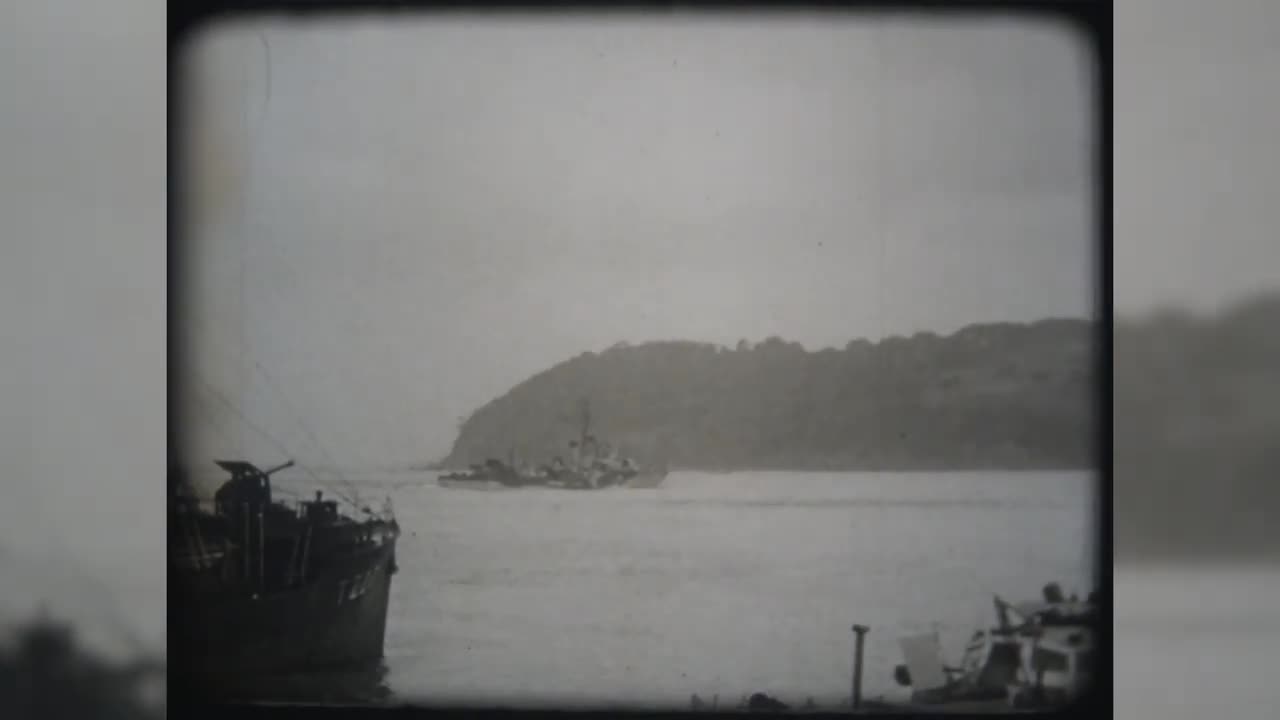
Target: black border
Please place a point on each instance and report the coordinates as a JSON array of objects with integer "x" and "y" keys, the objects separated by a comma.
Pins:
[{"x": 1092, "y": 18}]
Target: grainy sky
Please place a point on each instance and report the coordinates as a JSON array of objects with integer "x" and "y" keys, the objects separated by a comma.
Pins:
[
  {"x": 393, "y": 223},
  {"x": 82, "y": 316},
  {"x": 1195, "y": 173}
]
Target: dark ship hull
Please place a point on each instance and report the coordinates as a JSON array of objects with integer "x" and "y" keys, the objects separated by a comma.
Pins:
[
  {"x": 336, "y": 620},
  {"x": 260, "y": 590}
]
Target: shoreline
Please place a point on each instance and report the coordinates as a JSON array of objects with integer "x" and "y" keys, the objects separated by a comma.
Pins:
[{"x": 811, "y": 469}]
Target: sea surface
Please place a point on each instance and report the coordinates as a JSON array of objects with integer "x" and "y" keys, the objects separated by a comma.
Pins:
[
  {"x": 722, "y": 584},
  {"x": 1196, "y": 640},
  {"x": 714, "y": 584}
]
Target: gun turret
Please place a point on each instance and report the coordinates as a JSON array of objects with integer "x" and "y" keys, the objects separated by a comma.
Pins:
[{"x": 247, "y": 483}]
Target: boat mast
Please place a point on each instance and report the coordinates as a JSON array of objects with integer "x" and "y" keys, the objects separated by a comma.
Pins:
[{"x": 586, "y": 427}]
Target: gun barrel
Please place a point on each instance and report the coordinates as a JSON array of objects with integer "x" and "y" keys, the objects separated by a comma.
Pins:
[{"x": 278, "y": 468}]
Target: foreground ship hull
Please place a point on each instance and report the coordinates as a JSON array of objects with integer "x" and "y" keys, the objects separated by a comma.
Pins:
[
  {"x": 335, "y": 620},
  {"x": 259, "y": 589}
]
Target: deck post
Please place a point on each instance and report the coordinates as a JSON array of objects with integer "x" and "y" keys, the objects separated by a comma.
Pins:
[
  {"x": 291, "y": 572},
  {"x": 247, "y": 550},
  {"x": 859, "y": 632},
  {"x": 199, "y": 535},
  {"x": 306, "y": 552},
  {"x": 262, "y": 550}
]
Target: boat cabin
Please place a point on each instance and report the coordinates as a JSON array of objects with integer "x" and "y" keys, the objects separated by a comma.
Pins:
[
  {"x": 1038, "y": 653},
  {"x": 1055, "y": 664},
  {"x": 320, "y": 510}
]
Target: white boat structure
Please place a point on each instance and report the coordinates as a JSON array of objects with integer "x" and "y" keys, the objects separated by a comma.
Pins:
[{"x": 1039, "y": 654}]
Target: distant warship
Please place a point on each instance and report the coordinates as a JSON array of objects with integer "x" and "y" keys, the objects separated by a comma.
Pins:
[{"x": 592, "y": 465}]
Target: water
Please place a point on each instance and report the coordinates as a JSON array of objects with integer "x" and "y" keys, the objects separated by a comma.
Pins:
[
  {"x": 712, "y": 584},
  {"x": 1196, "y": 641}
]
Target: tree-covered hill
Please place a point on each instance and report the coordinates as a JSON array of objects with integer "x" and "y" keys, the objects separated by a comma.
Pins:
[
  {"x": 1197, "y": 434},
  {"x": 988, "y": 396}
]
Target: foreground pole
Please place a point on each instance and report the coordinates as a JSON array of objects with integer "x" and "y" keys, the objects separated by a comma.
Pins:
[{"x": 859, "y": 632}]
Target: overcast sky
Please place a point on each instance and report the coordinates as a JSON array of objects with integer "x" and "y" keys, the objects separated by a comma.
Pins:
[
  {"x": 422, "y": 214},
  {"x": 82, "y": 316},
  {"x": 1196, "y": 169}
]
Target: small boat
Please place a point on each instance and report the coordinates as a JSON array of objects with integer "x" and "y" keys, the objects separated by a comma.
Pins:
[{"x": 1037, "y": 655}]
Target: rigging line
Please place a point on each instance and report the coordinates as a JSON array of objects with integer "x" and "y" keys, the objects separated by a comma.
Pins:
[
  {"x": 276, "y": 444},
  {"x": 351, "y": 487},
  {"x": 247, "y": 422},
  {"x": 245, "y": 207},
  {"x": 297, "y": 416},
  {"x": 200, "y": 327},
  {"x": 354, "y": 498},
  {"x": 221, "y": 432},
  {"x": 353, "y": 501},
  {"x": 243, "y": 271}
]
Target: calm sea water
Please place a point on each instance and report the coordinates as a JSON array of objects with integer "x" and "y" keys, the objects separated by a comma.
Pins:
[
  {"x": 712, "y": 584},
  {"x": 1196, "y": 641}
]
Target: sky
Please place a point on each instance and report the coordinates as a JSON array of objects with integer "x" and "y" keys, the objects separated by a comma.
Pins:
[
  {"x": 82, "y": 317},
  {"x": 83, "y": 286},
  {"x": 1195, "y": 166},
  {"x": 392, "y": 223}
]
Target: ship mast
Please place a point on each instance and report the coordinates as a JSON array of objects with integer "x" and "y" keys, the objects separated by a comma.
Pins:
[
  {"x": 586, "y": 430},
  {"x": 579, "y": 446}
]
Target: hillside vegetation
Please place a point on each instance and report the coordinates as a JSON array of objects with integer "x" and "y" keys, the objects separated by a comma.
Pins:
[
  {"x": 1197, "y": 435},
  {"x": 988, "y": 396},
  {"x": 1196, "y": 414}
]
